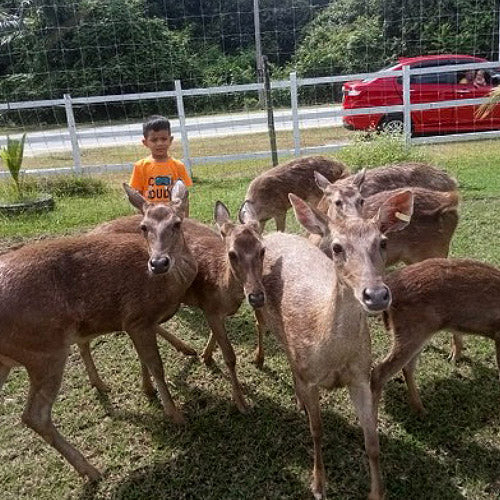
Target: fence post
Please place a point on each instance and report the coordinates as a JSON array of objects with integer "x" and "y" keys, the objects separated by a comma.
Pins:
[
  {"x": 182, "y": 125},
  {"x": 270, "y": 113},
  {"x": 295, "y": 112},
  {"x": 406, "y": 106},
  {"x": 75, "y": 148}
]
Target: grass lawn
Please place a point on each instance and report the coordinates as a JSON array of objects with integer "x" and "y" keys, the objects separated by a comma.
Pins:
[{"x": 452, "y": 453}]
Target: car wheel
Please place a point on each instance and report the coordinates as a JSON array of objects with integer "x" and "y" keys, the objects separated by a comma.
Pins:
[{"x": 392, "y": 125}]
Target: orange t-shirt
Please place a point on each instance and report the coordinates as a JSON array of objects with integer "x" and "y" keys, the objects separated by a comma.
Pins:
[{"x": 155, "y": 179}]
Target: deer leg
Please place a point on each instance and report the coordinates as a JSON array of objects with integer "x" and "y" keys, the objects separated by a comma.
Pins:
[
  {"x": 219, "y": 331},
  {"x": 147, "y": 385},
  {"x": 45, "y": 382},
  {"x": 260, "y": 329},
  {"x": 401, "y": 353},
  {"x": 4, "y": 373},
  {"x": 361, "y": 398},
  {"x": 457, "y": 345},
  {"x": 147, "y": 349},
  {"x": 280, "y": 220},
  {"x": 409, "y": 373},
  {"x": 95, "y": 380},
  {"x": 309, "y": 396},
  {"x": 497, "y": 347},
  {"x": 207, "y": 354},
  {"x": 179, "y": 344}
]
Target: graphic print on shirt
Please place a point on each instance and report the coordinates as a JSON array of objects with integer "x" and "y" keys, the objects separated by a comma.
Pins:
[{"x": 159, "y": 188}]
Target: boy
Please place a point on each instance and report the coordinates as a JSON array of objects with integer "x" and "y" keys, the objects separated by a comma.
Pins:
[{"x": 155, "y": 175}]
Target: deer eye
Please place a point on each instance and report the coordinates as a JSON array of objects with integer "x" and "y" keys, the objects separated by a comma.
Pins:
[
  {"x": 337, "y": 248},
  {"x": 144, "y": 228},
  {"x": 338, "y": 203},
  {"x": 233, "y": 256},
  {"x": 262, "y": 252},
  {"x": 383, "y": 244},
  {"x": 361, "y": 202},
  {"x": 177, "y": 225}
]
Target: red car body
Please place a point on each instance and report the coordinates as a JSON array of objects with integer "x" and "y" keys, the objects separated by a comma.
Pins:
[{"x": 429, "y": 87}]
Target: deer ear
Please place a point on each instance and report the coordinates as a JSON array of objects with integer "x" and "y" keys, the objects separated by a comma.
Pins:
[
  {"x": 222, "y": 218},
  {"x": 359, "y": 178},
  {"x": 321, "y": 181},
  {"x": 248, "y": 215},
  {"x": 179, "y": 195},
  {"x": 309, "y": 218},
  {"x": 395, "y": 213},
  {"x": 136, "y": 199}
]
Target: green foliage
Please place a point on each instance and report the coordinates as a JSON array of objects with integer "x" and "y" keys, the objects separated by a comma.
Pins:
[
  {"x": 12, "y": 156},
  {"x": 373, "y": 150},
  {"x": 68, "y": 185}
]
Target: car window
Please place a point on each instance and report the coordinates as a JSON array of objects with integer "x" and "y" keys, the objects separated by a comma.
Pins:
[{"x": 435, "y": 79}]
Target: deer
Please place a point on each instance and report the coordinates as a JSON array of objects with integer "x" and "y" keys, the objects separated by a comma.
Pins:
[
  {"x": 68, "y": 290},
  {"x": 457, "y": 294},
  {"x": 268, "y": 192},
  {"x": 229, "y": 271},
  {"x": 317, "y": 308}
]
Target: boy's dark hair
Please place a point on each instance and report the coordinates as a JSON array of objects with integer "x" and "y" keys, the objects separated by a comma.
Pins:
[{"x": 155, "y": 123}]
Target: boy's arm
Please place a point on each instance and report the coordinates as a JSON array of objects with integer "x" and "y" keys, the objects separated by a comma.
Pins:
[{"x": 184, "y": 176}]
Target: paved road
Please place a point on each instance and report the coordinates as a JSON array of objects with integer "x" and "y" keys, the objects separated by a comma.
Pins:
[{"x": 198, "y": 127}]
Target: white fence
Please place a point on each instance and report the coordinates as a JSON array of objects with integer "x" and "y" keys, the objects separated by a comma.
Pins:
[{"x": 294, "y": 116}]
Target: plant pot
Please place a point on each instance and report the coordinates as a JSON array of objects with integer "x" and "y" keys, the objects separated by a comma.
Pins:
[{"x": 42, "y": 203}]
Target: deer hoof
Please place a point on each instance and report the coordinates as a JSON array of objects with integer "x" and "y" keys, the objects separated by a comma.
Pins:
[
  {"x": 102, "y": 387},
  {"x": 187, "y": 350},
  {"x": 318, "y": 494},
  {"x": 92, "y": 473},
  {"x": 177, "y": 418},
  {"x": 258, "y": 361}
]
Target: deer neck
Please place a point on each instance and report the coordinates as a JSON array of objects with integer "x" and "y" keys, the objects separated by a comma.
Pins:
[
  {"x": 231, "y": 284},
  {"x": 345, "y": 316}
]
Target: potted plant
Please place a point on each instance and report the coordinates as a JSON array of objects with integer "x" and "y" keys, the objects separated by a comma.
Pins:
[{"x": 19, "y": 199}]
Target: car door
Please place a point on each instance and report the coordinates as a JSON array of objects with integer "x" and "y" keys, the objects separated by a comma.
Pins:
[{"x": 431, "y": 88}]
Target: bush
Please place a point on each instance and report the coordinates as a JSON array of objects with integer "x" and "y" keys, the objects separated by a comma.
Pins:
[
  {"x": 374, "y": 150},
  {"x": 68, "y": 185}
]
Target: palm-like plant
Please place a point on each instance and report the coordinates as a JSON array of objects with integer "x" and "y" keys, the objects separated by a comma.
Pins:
[
  {"x": 12, "y": 155},
  {"x": 487, "y": 107}
]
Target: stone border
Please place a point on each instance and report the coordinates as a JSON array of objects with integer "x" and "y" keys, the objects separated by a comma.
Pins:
[{"x": 44, "y": 203}]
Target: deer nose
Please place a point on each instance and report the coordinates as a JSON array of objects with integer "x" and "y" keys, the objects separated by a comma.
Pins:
[
  {"x": 256, "y": 299},
  {"x": 377, "y": 299},
  {"x": 159, "y": 265}
]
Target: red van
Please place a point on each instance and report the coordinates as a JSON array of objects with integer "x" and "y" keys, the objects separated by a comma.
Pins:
[{"x": 430, "y": 87}]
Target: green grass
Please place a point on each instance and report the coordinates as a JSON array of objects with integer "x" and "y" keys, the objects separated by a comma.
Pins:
[{"x": 452, "y": 453}]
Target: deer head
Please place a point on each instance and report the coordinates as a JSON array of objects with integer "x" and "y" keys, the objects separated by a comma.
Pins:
[
  {"x": 161, "y": 226},
  {"x": 343, "y": 198},
  {"x": 357, "y": 246},
  {"x": 245, "y": 249}
]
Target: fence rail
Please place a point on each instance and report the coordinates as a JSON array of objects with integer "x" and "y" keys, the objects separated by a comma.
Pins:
[{"x": 294, "y": 117}]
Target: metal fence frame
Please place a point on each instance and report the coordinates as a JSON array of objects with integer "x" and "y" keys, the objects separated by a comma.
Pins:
[{"x": 295, "y": 117}]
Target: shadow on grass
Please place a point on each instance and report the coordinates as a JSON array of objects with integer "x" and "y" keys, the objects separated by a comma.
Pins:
[
  {"x": 458, "y": 408},
  {"x": 267, "y": 454}
]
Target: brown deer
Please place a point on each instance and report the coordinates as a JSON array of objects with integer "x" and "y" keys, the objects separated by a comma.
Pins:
[
  {"x": 268, "y": 192},
  {"x": 429, "y": 296},
  {"x": 317, "y": 307},
  {"x": 69, "y": 290},
  {"x": 229, "y": 270},
  {"x": 401, "y": 175}
]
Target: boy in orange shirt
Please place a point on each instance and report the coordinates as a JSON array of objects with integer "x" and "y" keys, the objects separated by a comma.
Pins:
[{"x": 155, "y": 175}]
